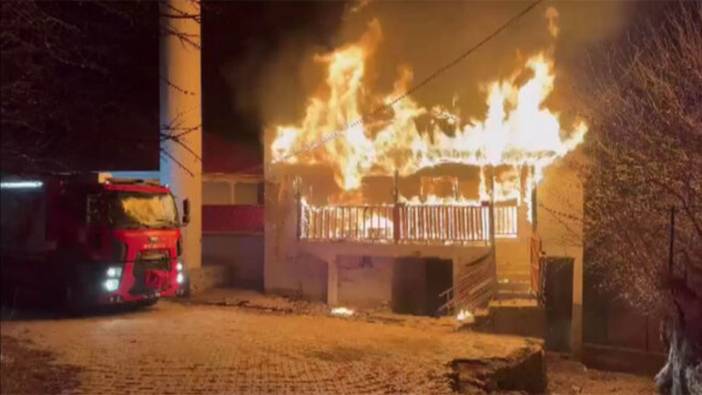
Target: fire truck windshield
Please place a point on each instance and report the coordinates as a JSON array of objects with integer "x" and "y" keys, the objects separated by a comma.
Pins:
[{"x": 142, "y": 210}]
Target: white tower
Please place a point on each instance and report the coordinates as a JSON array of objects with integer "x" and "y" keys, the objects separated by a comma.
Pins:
[{"x": 181, "y": 116}]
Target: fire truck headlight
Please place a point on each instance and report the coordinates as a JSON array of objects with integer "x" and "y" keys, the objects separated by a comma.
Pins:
[
  {"x": 180, "y": 278},
  {"x": 114, "y": 271},
  {"x": 111, "y": 284},
  {"x": 179, "y": 266},
  {"x": 20, "y": 184}
]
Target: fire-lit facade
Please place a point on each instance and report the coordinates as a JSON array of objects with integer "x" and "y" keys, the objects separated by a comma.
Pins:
[
  {"x": 377, "y": 252},
  {"x": 366, "y": 207}
]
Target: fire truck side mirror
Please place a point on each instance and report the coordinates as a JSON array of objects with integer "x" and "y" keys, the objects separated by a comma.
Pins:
[{"x": 186, "y": 211}]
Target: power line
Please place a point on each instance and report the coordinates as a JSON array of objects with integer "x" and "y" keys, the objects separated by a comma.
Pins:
[
  {"x": 464, "y": 54},
  {"x": 416, "y": 87}
]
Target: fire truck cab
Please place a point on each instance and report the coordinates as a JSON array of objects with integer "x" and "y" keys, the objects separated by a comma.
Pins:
[{"x": 86, "y": 240}]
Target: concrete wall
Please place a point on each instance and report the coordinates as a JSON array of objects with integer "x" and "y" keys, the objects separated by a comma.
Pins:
[
  {"x": 513, "y": 253},
  {"x": 338, "y": 254},
  {"x": 304, "y": 276},
  {"x": 409, "y": 285},
  {"x": 242, "y": 253},
  {"x": 364, "y": 281},
  {"x": 208, "y": 277},
  {"x": 559, "y": 224},
  {"x": 287, "y": 270}
]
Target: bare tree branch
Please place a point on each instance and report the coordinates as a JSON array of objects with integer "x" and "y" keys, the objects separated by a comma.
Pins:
[{"x": 646, "y": 151}]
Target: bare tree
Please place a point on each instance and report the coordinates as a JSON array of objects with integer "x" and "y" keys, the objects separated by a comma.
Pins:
[
  {"x": 64, "y": 81},
  {"x": 35, "y": 48},
  {"x": 646, "y": 151},
  {"x": 177, "y": 21}
]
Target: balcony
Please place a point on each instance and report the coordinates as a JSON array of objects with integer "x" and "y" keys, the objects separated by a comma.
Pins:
[{"x": 406, "y": 223}]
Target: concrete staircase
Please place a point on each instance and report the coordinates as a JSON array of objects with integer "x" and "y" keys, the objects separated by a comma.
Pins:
[
  {"x": 515, "y": 310},
  {"x": 514, "y": 282}
]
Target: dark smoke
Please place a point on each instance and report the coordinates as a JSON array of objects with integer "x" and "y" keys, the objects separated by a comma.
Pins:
[
  {"x": 264, "y": 60},
  {"x": 245, "y": 41}
]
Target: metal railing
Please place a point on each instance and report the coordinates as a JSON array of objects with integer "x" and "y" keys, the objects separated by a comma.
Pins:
[{"x": 475, "y": 287}]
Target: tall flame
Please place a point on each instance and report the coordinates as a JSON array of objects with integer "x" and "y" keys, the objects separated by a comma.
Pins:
[{"x": 517, "y": 129}]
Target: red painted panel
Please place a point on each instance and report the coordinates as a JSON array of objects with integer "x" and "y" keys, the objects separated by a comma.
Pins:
[{"x": 232, "y": 218}]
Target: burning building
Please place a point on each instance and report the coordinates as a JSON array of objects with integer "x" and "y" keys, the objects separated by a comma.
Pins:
[{"x": 376, "y": 200}]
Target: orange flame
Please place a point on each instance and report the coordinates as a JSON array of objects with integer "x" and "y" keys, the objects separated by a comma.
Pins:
[{"x": 517, "y": 129}]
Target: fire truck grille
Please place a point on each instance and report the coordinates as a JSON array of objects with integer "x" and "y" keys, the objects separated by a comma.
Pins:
[{"x": 145, "y": 262}]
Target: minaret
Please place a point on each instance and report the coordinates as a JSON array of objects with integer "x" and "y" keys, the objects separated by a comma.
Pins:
[{"x": 181, "y": 115}]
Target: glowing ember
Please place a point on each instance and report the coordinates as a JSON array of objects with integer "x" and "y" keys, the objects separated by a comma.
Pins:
[
  {"x": 465, "y": 316},
  {"x": 342, "y": 311},
  {"x": 517, "y": 129}
]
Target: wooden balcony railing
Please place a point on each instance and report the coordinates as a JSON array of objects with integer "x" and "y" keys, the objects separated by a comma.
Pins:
[
  {"x": 405, "y": 223},
  {"x": 443, "y": 223},
  {"x": 368, "y": 223},
  {"x": 506, "y": 220}
]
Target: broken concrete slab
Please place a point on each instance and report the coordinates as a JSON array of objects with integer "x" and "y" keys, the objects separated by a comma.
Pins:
[{"x": 522, "y": 370}]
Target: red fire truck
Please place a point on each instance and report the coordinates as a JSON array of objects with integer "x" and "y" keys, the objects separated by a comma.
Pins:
[{"x": 86, "y": 240}]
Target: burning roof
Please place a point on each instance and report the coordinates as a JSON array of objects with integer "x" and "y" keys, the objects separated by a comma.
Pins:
[{"x": 516, "y": 130}]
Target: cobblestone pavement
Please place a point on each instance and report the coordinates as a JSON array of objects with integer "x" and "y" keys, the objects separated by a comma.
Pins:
[{"x": 181, "y": 349}]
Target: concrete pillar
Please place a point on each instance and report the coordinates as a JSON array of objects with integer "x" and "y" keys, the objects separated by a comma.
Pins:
[
  {"x": 181, "y": 114},
  {"x": 332, "y": 281}
]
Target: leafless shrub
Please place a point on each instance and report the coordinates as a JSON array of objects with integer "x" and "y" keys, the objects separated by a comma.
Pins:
[
  {"x": 63, "y": 81},
  {"x": 646, "y": 150},
  {"x": 645, "y": 175}
]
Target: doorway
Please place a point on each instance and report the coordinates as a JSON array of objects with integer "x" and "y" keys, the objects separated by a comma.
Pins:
[{"x": 417, "y": 284}]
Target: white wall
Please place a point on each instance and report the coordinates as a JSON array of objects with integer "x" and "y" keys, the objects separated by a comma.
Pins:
[{"x": 559, "y": 221}]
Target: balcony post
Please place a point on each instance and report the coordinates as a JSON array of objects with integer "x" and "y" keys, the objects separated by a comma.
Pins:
[
  {"x": 491, "y": 213},
  {"x": 298, "y": 208},
  {"x": 396, "y": 209},
  {"x": 490, "y": 180}
]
